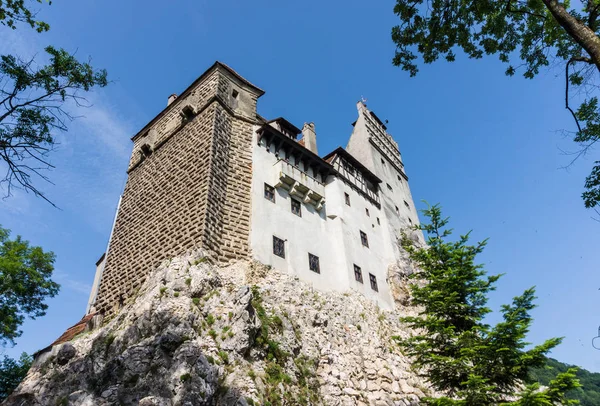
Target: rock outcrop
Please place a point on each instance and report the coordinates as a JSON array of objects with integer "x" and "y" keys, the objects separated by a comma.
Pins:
[{"x": 198, "y": 334}]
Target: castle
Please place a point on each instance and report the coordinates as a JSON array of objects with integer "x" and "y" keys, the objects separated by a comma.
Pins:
[{"x": 209, "y": 172}]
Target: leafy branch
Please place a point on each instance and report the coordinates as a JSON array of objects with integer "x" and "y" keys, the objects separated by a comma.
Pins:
[{"x": 32, "y": 108}]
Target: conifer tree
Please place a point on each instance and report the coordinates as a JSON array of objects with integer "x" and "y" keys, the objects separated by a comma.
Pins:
[{"x": 471, "y": 362}]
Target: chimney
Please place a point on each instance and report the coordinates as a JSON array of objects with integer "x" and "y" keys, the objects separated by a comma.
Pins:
[
  {"x": 310, "y": 137},
  {"x": 171, "y": 99}
]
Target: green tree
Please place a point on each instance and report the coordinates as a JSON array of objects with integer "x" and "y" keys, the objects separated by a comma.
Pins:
[
  {"x": 471, "y": 362},
  {"x": 537, "y": 33},
  {"x": 25, "y": 282},
  {"x": 12, "y": 373},
  {"x": 15, "y": 11},
  {"x": 32, "y": 108},
  {"x": 32, "y": 102}
]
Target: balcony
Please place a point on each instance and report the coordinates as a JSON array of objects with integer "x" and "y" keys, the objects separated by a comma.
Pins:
[{"x": 299, "y": 184}]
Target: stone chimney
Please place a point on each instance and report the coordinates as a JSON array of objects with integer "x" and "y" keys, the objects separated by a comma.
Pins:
[
  {"x": 310, "y": 137},
  {"x": 171, "y": 99}
]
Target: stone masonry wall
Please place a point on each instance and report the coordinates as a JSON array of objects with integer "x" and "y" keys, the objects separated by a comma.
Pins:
[{"x": 193, "y": 191}]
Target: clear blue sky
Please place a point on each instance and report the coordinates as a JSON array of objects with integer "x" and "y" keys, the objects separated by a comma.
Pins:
[{"x": 487, "y": 147}]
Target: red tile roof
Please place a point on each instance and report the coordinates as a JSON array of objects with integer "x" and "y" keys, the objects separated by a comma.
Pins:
[{"x": 70, "y": 333}]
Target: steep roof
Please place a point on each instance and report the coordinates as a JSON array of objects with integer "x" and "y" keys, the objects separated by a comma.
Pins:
[
  {"x": 70, "y": 333},
  {"x": 355, "y": 162}
]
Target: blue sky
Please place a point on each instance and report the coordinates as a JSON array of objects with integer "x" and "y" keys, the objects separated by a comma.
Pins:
[{"x": 487, "y": 147}]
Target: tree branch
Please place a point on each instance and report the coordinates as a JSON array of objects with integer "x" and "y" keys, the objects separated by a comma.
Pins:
[{"x": 581, "y": 33}]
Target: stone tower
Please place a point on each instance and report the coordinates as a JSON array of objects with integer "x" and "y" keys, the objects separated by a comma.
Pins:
[{"x": 189, "y": 184}]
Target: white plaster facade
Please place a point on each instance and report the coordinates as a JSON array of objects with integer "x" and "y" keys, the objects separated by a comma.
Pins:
[{"x": 369, "y": 173}]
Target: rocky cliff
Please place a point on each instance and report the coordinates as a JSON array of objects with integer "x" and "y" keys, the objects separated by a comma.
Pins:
[{"x": 198, "y": 334}]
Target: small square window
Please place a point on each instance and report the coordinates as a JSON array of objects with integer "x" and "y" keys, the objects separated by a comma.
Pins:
[
  {"x": 270, "y": 193},
  {"x": 367, "y": 211},
  {"x": 406, "y": 204},
  {"x": 313, "y": 263},
  {"x": 378, "y": 222},
  {"x": 296, "y": 207},
  {"x": 364, "y": 239},
  {"x": 234, "y": 94},
  {"x": 188, "y": 113},
  {"x": 358, "y": 273},
  {"x": 278, "y": 247},
  {"x": 389, "y": 187},
  {"x": 373, "y": 281},
  {"x": 347, "y": 197}
]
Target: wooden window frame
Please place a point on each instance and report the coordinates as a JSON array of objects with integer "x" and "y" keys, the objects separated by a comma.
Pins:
[
  {"x": 364, "y": 239},
  {"x": 270, "y": 190},
  {"x": 373, "y": 281},
  {"x": 297, "y": 212},
  {"x": 279, "y": 247},
  {"x": 358, "y": 274},
  {"x": 313, "y": 263}
]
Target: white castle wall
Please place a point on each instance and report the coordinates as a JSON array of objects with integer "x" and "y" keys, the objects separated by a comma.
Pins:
[{"x": 333, "y": 234}]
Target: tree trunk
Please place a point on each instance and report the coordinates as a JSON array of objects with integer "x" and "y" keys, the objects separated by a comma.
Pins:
[{"x": 581, "y": 33}]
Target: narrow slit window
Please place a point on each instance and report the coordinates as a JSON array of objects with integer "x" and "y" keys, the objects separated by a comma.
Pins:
[
  {"x": 296, "y": 207},
  {"x": 347, "y": 197},
  {"x": 270, "y": 193},
  {"x": 358, "y": 273},
  {"x": 389, "y": 187},
  {"x": 406, "y": 204},
  {"x": 364, "y": 239},
  {"x": 313, "y": 263},
  {"x": 397, "y": 210},
  {"x": 378, "y": 222},
  {"x": 382, "y": 161},
  {"x": 367, "y": 211},
  {"x": 373, "y": 281},
  {"x": 399, "y": 178},
  {"x": 278, "y": 247}
]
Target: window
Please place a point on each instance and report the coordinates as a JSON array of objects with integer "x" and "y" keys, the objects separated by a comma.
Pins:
[
  {"x": 382, "y": 161},
  {"x": 347, "y": 197},
  {"x": 399, "y": 178},
  {"x": 278, "y": 247},
  {"x": 146, "y": 150},
  {"x": 373, "y": 281},
  {"x": 270, "y": 193},
  {"x": 363, "y": 239},
  {"x": 358, "y": 273},
  {"x": 406, "y": 204},
  {"x": 313, "y": 263},
  {"x": 378, "y": 222},
  {"x": 367, "y": 211},
  {"x": 397, "y": 210},
  {"x": 410, "y": 220},
  {"x": 389, "y": 187},
  {"x": 188, "y": 113},
  {"x": 234, "y": 94},
  {"x": 296, "y": 207}
]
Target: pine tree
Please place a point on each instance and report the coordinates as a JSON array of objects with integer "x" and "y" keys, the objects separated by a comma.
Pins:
[{"x": 471, "y": 362}]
